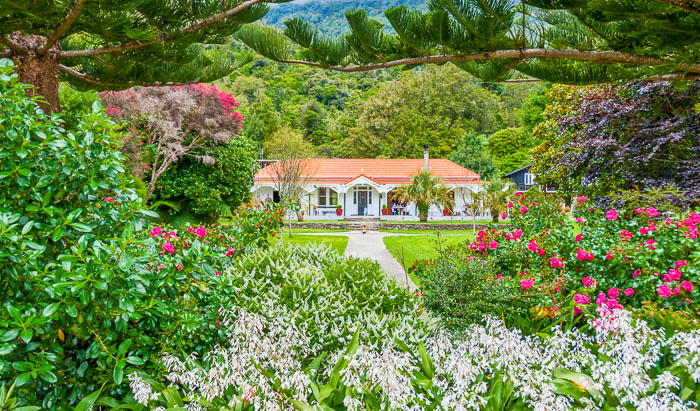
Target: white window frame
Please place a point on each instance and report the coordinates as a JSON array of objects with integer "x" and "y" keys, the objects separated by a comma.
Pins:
[
  {"x": 327, "y": 197},
  {"x": 529, "y": 179}
]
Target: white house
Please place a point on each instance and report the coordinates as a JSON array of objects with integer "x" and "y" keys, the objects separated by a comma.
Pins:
[{"x": 362, "y": 186}]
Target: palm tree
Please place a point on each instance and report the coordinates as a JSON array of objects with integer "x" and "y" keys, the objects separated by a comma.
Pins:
[
  {"x": 497, "y": 195},
  {"x": 424, "y": 191}
]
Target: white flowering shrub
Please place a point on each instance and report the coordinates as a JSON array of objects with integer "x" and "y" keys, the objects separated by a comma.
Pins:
[
  {"x": 274, "y": 363},
  {"x": 324, "y": 294}
]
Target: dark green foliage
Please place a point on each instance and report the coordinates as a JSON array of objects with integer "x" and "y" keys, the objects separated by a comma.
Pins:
[
  {"x": 462, "y": 289},
  {"x": 510, "y": 149},
  {"x": 472, "y": 155},
  {"x": 586, "y": 41},
  {"x": 87, "y": 295},
  {"x": 209, "y": 190}
]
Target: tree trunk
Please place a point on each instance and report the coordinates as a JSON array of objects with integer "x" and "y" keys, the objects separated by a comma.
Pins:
[
  {"x": 423, "y": 217},
  {"x": 300, "y": 216},
  {"x": 38, "y": 71},
  {"x": 494, "y": 216}
]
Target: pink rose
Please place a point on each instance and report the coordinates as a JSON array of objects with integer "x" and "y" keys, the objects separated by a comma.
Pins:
[
  {"x": 629, "y": 292},
  {"x": 680, "y": 264},
  {"x": 651, "y": 212},
  {"x": 638, "y": 210},
  {"x": 579, "y": 219},
  {"x": 155, "y": 231},
  {"x": 480, "y": 233},
  {"x": 498, "y": 276},
  {"x": 650, "y": 241},
  {"x": 493, "y": 244},
  {"x": 577, "y": 310},
  {"x": 581, "y": 199},
  {"x": 504, "y": 215},
  {"x": 664, "y": 291},
  {"x": 517, "y": 234},
  {"x": 473, "y": 246},
  {"x": 687, "y": 286},
  {"x": 200, "y": 232},
  {"x": 108, "y": 199},
  {"x": 510, "y": 205},
  {"x": 532, "y": 246},
  {"x": 555, "y": 262},
  {"x": 636, "y": 273},
  {"x": 523, "y": 209},
  {"x": 527, "y": 283},
  {"x": 518, "y": 193},
  {"x": 601, "y": 299},
  {"x": 611, "y": 215},
  {"x": 674, "y": 274},
  {"x": 168, "y": 248},
  {"x": 578, "y": 237},
  {"x": 581, "y": 299},
  {"x": 588, "y": 282},
  {"x": 613, "y": 293}
]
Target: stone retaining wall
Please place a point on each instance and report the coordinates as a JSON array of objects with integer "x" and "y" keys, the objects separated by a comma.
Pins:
[{"x": 319, "y": 226}]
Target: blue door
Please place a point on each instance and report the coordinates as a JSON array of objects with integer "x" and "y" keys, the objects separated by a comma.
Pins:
[{"x": 361, "y": 202}]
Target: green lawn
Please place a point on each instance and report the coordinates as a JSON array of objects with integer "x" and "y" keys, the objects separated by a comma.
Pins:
[
  {"x": 422, "y": 247},
  {"x": 337, "y": 243},
  {"x": 429, "y": 232}
]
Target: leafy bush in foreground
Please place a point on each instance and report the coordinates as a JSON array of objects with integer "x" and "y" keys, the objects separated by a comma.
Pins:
[{"x": 87, "y": 294}]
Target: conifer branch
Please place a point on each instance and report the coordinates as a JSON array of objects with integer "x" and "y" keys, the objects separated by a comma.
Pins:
[
  {"x": 163, "y": 37},
  {"x": 13, "y": 46},
  {"x": 92, "y": 80},
  {"x": 522, "y": 54},
  {"x": 63, "y": 26},
  {"x": 692, "y": 6}
]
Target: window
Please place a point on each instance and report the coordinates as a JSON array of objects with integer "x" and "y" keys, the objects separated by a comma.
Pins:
[
  {"x": 529, "y": 179},
  {"x": 327, "y": 197}
]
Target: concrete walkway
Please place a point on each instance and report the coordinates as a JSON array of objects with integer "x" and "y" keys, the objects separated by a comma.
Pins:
[{"x": 371, "y": 245}]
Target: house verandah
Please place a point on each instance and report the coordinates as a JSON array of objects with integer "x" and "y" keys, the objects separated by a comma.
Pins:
[{"x": 364, "y": 187}]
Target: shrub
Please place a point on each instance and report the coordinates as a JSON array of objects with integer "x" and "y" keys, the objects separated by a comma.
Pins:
[
  {"x": 268, "y": 364},
  {"x": 211, "y": 190},
  {"x": 611, "y": 256},
  {"x": 87, "y": 294}
]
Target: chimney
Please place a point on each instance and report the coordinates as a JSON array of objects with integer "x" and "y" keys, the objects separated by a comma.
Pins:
[{"x": 426, "y": 157}]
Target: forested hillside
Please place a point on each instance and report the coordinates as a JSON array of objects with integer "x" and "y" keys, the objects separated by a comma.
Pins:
[
  {"x": 382, "y": 114},
  {"x": 328, "y": 15}
]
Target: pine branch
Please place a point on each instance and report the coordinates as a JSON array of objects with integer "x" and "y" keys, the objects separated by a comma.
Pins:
[
  {"x": 692, "y": 6},
  {"x": 14, "y": 47},
  {"x": 163, "y": 37},
  {"x": 89, "y": 79},
  {"x": 522, "y": 54},
  {"x": 63, "y": 26}
]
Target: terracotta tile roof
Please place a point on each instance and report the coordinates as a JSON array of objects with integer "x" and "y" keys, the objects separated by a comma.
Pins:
[{"x": 383, "y": 171}]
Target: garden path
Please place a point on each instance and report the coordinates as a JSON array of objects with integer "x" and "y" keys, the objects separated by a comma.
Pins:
[{"x": 371, "y": 245}]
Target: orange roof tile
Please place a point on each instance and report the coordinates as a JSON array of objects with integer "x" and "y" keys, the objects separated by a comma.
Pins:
[{"x": 383, "y": 171}]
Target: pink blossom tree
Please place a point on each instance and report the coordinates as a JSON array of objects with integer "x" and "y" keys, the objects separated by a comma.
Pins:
[{"x": 166, "y": 124}]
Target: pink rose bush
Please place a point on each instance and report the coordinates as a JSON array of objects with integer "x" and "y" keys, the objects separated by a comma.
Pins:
[{"x": 620, "y": 257}]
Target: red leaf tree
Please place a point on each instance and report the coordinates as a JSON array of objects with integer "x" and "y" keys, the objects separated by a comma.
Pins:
[{"x": 172, "y": 122}]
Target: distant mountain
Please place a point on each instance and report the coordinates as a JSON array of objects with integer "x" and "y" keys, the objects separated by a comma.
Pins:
[{"x": 329, "y": 16}]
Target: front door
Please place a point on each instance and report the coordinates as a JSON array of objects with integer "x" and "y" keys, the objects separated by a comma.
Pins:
[{"x": 361, "y": 202}]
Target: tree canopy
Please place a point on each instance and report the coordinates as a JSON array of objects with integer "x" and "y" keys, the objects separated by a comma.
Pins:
[
  {"x": 117, "y": 44},
  {"x": 566, "y": 41}
]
